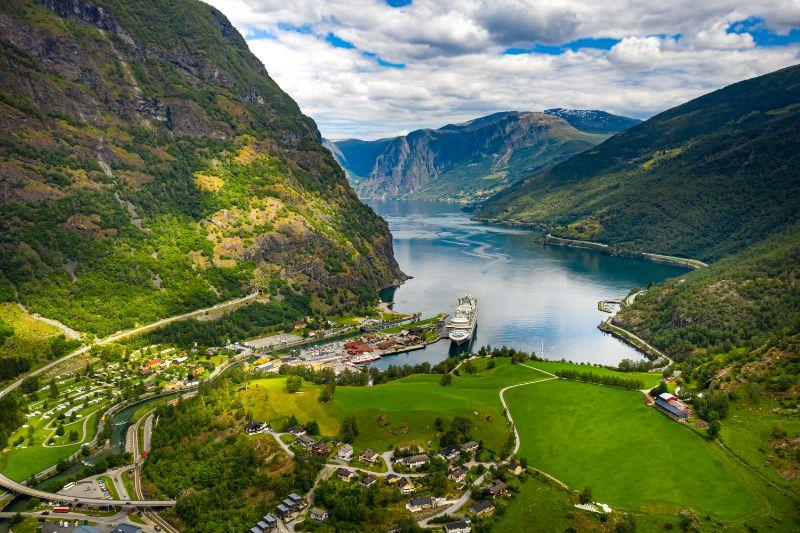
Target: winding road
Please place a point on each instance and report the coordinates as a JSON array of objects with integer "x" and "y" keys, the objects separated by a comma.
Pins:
[{"x": 19, "y": 488}]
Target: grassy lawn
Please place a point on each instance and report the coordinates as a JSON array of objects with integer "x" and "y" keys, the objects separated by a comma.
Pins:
[
  {"x": 631, "y": 456},
  {"x": 650, "y": 379},
  {"x": 403, "y": 411},
  {"x": 268, "y": 401},
  {"x": 384, "y": 413},
  {"x": 544, "y": 504}
]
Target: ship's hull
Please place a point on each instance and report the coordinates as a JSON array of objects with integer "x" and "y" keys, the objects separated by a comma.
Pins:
[{"x": 462, "y": 327}]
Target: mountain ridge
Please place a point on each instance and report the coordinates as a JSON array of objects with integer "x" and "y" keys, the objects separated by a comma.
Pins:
[
  {"x": 151, "y": 166},
  {"x": 468, "y": 161},
  {"x": 641, "y": 189}
]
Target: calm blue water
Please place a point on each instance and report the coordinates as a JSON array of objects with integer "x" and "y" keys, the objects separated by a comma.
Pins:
[{"x": 530, "y": 296}]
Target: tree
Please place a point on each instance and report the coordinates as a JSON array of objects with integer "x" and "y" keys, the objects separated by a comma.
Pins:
[
  {"x": 312, "y": 427},
  {"x": 60, "y": 430},
  {"x": 327, "y": 393},
  {"x": 469, "y": 367},
  {"x": 349, "y": 430},
  {"x": 491, "y": 364},
  {"x": 73, "y": 435},
  {"x": 446, "y": 380},
  {"x": 438, "y": 423},
  {"x": 293, "y": 384},
  {"x": 53, "y": 388},
  {"x": 659, "y": 389},
  {"x": 586, "y": 495},
  {"x": 712, "y": 432}
]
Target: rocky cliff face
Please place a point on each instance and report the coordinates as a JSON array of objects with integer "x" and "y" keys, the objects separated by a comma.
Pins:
[
  {"x": 149, "y": 164},
  {"x": 462, "y": 162}
]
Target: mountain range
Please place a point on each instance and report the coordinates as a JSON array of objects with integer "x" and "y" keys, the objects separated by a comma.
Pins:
[
  {"x": 150, "y": 165},
  {"x": 701, "y": 180},
  {"x": 471, "y": 161},
  {"x": 717, "y": 178}
]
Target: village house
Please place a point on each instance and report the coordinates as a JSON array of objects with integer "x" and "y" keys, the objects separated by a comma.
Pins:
[
  {"x": 318, "y": 514},
  {"x": 461, "y": 526},
  {"x": 345, "y": 452},
  {"x": 415, "y": 461},
  {"x": 297, "y": 431},
  {"x": 406, "y": 486},
  {"x": 368, "y": 481},
  {"x": 496, "y": 488},
  {"x": 298, "y": 501},
  {"x": 270, "y": 521},
  {"x": 321, "y": 448},
  {"x": 284, "y": 512},
  {"x": 368, "y": 456},
  {"x": 392, "y": 478},
  {"x": 420, "y": 504},
  {"x": 345, "y": 474},
  {"x": 253, "y": 427},
  {"x": 449, "y": 453},
  {"x": 483, "y": 507},
  {"x": 458, "y": 474},
  {"x": 515, "y": 468},
  {"x": 470, "y": 446},
  {"x": 305, "y": 441}
]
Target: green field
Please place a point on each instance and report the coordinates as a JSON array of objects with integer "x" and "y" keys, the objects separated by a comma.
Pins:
[
  {"x": 399, "y": 412},
  {"x": 650, "y": 379},
  {"x": 631, "y": 456}
]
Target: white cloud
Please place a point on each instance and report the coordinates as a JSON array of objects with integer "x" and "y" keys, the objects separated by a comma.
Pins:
[{"x": 455, "y": 69}]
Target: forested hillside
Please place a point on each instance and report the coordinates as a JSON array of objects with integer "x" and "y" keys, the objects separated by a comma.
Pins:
[
  {"x": 462, "y": 162},
  {"x": 702, "y": 180},
  {"x": 149, "y": 165},
  {"x": 742, "y": 311}
]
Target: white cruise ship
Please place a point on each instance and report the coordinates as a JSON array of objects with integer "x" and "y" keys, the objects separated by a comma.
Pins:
[{"x": 462, "y": 324}]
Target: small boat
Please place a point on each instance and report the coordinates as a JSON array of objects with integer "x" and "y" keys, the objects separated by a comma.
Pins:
[{"x": 364, "y": 358}]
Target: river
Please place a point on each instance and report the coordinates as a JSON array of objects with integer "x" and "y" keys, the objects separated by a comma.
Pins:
[{"x": 531, "y": 296}]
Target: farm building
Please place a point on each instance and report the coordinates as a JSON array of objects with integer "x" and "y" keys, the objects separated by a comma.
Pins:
[
  {"x": 672, "y": 407},
  {"x": 368, "y": 481}
]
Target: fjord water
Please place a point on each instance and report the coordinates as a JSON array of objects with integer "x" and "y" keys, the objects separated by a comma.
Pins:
[{"x": 530, "y": 295}]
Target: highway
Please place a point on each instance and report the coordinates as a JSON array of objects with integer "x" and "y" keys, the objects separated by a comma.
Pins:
[{"x": 19, "y": 488}]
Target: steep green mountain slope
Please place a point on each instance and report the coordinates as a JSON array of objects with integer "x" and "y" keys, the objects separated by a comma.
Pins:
[
  {"x": 702, "y": 180},
  {"x": 462, "y": 162},
  {"x": 742, "y": 305},
  {"x": 149, "y": 165},
  {"x": 593, "y": 120}
]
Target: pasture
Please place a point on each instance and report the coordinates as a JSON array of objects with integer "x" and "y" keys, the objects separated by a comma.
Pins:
[{"x": 632, "y": 457}]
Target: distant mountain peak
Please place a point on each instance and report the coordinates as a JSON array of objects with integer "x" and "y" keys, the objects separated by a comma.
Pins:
[{"x": 593, "y": 120}]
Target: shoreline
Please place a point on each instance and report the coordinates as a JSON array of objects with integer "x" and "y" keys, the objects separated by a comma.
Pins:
[{"x": 692, "y": 264}]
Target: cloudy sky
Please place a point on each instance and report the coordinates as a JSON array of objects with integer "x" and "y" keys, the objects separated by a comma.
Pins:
[{"x": 372, "y": 68}]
